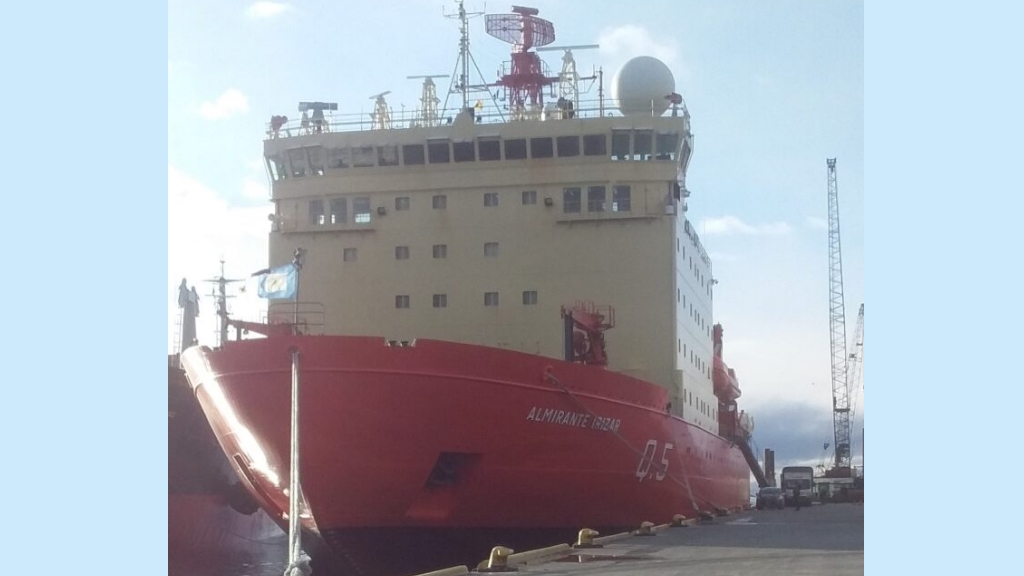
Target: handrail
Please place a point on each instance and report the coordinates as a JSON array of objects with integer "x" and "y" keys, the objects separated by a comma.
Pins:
[{"x": 406, "y": 119}]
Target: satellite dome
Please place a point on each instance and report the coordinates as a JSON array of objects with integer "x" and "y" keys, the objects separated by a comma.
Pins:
[{"x": 640, "y": 82}]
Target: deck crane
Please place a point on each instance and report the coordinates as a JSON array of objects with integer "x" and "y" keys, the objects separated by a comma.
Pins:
[{"x": 837, "y": 315}]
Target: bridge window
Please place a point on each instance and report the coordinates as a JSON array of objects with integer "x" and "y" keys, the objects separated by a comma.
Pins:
[
  {"x": 276, "y": 165},
  {"x": 595, "y": 145},
  {"x": 439, "y": 152},
  {"x": 300, "y": 165},
  {"x": 316, "y": 212},
  {"x": 387, "y": 155},
  {"x": 412, "y": 154},
  {"x": 568, "y": 146},
  {"x": 621, "y": 198},
  {"x": 361, "y": 210},
  {"x": 464, "y": 151},
  {"x": 338, "y": 158},
  {"x": 316, "y": 160},
  {"x": 667, "y": 144},
  {"x": 363, "y": 157},
  {"x": 595, "y": 198},
  {"x": 489, "y": 149},
  {"x": 339, "y": 210},
  {"x": 642, "y": 144},
  {"x": 620, "y": 144},
  {"x": 541, "y": 148},
  {"x": 515, "y": 149},
  {"x": 571, "y": 200}
]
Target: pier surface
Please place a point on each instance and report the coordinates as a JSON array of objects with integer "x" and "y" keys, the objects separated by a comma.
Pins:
[{"x": 820, "y": 539}]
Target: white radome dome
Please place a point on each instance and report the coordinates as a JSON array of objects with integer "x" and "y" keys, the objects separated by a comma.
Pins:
[{"x": 639, "y": 82}]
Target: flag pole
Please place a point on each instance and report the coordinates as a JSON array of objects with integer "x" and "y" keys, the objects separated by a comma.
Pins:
[
  {"x": 297, "y": 560},
  {"x": 297, "y": 262}
]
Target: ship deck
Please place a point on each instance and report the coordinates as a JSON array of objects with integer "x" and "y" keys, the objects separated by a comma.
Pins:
[{"x": 820, "y": 539}]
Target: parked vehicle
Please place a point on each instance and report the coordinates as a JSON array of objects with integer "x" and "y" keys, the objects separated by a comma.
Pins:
[
  {"x": 770, "y": 497},
  {"x": 801, "y": 479}
]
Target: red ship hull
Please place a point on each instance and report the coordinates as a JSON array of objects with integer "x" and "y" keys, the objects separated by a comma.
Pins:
[
  {"x": 443, "y": 440},
  {"x": 209, "y": 515}
]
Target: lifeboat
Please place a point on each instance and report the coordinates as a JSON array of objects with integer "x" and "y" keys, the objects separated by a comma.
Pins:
[{"x": 727, "y": 388}]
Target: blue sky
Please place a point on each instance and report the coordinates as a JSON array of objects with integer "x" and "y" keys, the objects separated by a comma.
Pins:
[{"x": 773, "y": 88}]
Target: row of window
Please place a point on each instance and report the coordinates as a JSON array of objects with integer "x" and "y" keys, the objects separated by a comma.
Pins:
[
  {"x": 335, "y": 210},
  {"x": 596, "y": 199},
  {"x": 697, "y": 274},
  {"x": 695, "y": 240},
  {"x": 696, "y": 316},
  {"x": 637, "y": 145},
  {"x": 694, "y": 359},
  {"x": 403, "y": 301},
  {"x": 438, "y": 251},
  {"x": 705, "y": 408}
]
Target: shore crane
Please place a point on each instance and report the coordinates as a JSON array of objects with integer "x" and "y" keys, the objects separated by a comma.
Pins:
[{"x": 837, "y": 323}]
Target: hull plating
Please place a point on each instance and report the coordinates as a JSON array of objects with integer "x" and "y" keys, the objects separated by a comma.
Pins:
[{"x": 445, "y": 437}]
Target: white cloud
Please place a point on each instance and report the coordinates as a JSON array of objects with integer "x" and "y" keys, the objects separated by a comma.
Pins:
[
  {"x": 255, "y": 190},
  {"x": 817, "y": 223},
  {"x": 230, "y": 103},
  {"x": 202, "y": 229},
  {"x": 729, "y": 225},
  {"x": 620, "y": 44},
  {"x": 265, "y": 9}
]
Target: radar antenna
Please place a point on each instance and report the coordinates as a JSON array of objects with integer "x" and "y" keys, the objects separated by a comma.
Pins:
[
  {"x": 317, "y": 123},
  {"x": 526, "y": 81},
  {"x": 569, "y": 78},
  {"x": 381, "y": 116},
  {"x": 428, "y": 115}
]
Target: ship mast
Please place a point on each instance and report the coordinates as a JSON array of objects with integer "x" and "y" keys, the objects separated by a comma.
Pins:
[
  {"x": 221, "y": 300},
  {"x": 460, "y": 82}
]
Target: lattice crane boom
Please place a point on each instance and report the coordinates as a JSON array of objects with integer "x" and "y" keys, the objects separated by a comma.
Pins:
[
  {"x": 855, "y": 368},
  {"x": 837, "y": 322}
]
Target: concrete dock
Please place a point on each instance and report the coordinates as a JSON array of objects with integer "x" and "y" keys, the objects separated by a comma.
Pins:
[{"x": 820, "y": 539}]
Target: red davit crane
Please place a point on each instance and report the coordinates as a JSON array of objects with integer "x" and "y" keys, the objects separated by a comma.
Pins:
[{"x": 585, "y": 324}]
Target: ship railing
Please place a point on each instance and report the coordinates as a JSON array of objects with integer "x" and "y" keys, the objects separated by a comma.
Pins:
[
  {"x": 307, "y": 317},
  {"x": 486, "y": 114}
]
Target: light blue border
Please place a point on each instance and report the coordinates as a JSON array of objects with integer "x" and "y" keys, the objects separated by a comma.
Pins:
[
  {"x": 943, "y": 129},
  {"x": 84, "y": 237}
]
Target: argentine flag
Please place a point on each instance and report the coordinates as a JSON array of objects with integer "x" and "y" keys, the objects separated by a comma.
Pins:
[{"x": 279, "y": 283}]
